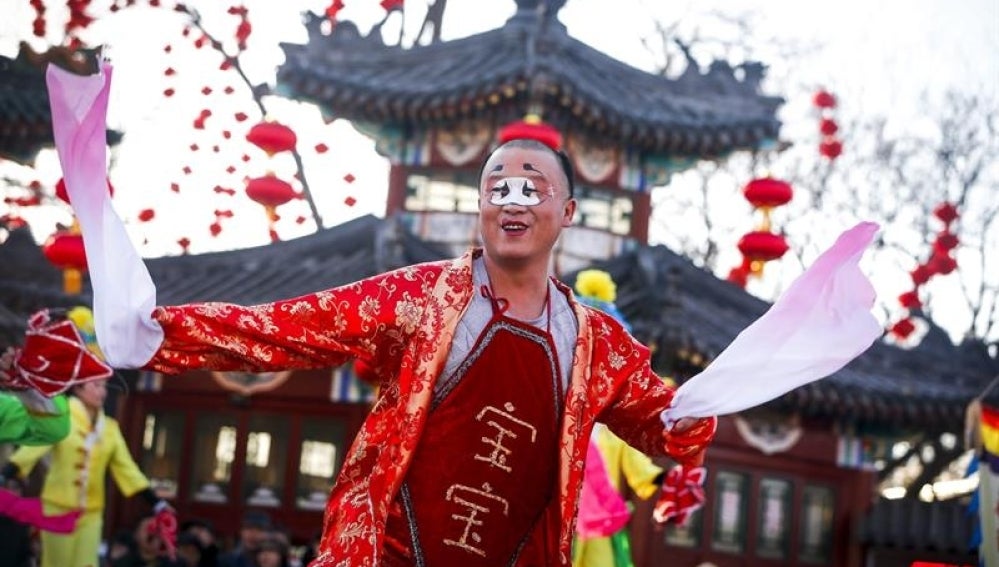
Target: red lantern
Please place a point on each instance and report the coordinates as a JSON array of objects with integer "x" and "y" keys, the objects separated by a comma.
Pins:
[
  {"x": 920, "y": 275},
  {"x": 828, "y": 127},
  {"x": 333, "y": 8},
  {"x": 64, "y": 196},
  {"x": 269, "y": 191},
  {"x": 767, "y": 192},
  {"x": 531, "y": 128},
  {"x": 824, "y": 99},
  {"x": 941, "y": 264},
  {"x": 272, "y": 137},
  {"x": 910, "y": 300},
  {"x": 831, "y": 148},
  {"x": 946, "y": 212},
  {"x": 903, "y": 329},
  {"x": 760, "y": 246},
  {"x": 13, "y": 222},
  {"x": 390, "y": 5},
  {"x": 65, "y": 251},
  {"x": 945, "y": 242}
]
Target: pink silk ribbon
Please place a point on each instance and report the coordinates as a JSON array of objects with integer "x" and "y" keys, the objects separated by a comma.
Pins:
[
  {"x": 822, "y": 322},
  {"x": 602, "y": 510},
  {"x": 124, "y": 294},
  {"x": 29, "y": 511}
]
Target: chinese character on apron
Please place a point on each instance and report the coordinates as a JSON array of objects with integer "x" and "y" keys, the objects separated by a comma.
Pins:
[{"x": 480, "y": 487}]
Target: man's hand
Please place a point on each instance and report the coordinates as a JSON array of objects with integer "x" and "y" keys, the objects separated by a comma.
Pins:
[
  {"x": 684, "y": 424},
  {"x": 686, "y": 440},
  {"x": 162, "y": 505}
]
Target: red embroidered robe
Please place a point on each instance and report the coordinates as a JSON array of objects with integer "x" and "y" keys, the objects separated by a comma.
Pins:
[{"x": 403, "y": 322}]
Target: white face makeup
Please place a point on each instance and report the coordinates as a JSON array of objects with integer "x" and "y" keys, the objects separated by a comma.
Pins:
[{"x": 516, "y": 191}]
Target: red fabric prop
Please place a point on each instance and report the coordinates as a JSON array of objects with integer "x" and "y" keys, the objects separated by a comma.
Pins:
[
  {"x": 29, "y": 511},
  {"x": 164, "y": 525},
  {"x": 683, "y": 490},
  {"x": 55, "y": 358},
  {"x": 682, "y": 494}
]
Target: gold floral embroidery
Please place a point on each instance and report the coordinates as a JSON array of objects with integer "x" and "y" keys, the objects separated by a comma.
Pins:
[
  {"x": 616, "y": 361},
  {"x": 368, "y": 308},
  {"x": 407, "y": 316}
]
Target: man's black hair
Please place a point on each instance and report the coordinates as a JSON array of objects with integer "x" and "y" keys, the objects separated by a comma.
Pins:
[{"x": 563, "y": 159}]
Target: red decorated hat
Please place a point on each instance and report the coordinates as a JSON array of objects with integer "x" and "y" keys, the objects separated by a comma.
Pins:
[{"x": 54, "y": 358}]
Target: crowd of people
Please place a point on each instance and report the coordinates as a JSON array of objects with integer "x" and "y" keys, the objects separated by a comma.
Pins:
[{"x": 258, "y": 543}]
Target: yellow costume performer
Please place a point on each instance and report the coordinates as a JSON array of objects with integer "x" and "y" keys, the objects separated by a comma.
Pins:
[
  {"x": 76, "y": 481},
  {"x": 622, "y": 464},
  {"x": 80, "y": 462}
]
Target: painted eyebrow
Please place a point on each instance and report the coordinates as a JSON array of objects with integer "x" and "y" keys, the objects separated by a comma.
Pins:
[{"x": 527, "y": 167}]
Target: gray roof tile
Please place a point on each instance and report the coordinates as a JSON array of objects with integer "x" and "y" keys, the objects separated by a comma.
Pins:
[{"x": 360, "y": 78}]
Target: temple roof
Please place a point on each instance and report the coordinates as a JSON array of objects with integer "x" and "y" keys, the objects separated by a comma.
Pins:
[
  {"x": 686, "y": 313},
  {"x": 529, "y": 63},
  {"x": 25, "y": 119},
  {"x": 25, "y": 123}
]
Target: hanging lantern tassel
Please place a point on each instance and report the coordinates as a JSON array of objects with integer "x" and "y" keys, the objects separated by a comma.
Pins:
[
  {"x": 272, "y": 218},
  {"x": 72, "y": 281},
  {"x": 765, "y": 222}
]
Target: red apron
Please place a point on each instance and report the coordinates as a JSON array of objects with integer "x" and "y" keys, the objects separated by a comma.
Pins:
[{"x": 481, "y": 483}]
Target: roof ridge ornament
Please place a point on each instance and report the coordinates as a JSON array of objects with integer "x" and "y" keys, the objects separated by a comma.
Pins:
[{"x": 534, "y": 10}]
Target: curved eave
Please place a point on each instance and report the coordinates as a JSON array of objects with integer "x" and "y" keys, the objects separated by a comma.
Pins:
[
  {"x": 25, "y": 117},
  {"x": 488, "y": 77},
  {"x": 25, "y": 122}
]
